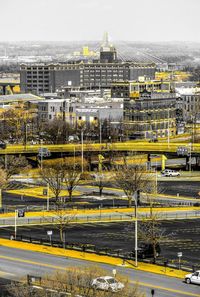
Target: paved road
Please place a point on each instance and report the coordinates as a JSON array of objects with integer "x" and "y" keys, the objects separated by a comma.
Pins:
[
  {"x": 16, "y": 264},
  {"x": 168, "y": 186}
]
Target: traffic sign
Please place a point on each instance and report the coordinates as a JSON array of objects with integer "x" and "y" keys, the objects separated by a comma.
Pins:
[
  {"x": 179, "y": 254},
  {"x": 114, "y": 271},
  {"x": 50, "y": 232},
  {"x": 21, "y": 213}
]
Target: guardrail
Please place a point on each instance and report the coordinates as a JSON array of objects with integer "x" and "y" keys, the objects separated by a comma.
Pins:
[{"x": 101, "y": 217}]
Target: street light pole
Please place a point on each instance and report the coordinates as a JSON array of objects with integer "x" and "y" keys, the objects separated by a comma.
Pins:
[
  {"x": 136, "y": 231},
  {"x": 190, "y": 162},
  {"x": 100, "y": 136},
  {"x": 16, "y": 214},
  {"x": 47, "y": 196},
  {"x": 26, "y": 136},
  {"x": 41, "y": 154},
  {"x": 168, "y": 139},
  {"x": 82, "y": 150}
]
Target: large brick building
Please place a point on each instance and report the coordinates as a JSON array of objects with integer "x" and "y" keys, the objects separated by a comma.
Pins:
[{"x": 41, "y": 78}]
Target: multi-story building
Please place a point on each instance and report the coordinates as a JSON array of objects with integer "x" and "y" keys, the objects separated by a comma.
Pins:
[
  {"x": 149, "y": 108},
  {"x": 132, "y": 89},
  {"x": 99, "y": 73},
  {"x": 56, "y": 108},
  {"x": 41, "y": 78},
  {"x": 189, "y": 103}
]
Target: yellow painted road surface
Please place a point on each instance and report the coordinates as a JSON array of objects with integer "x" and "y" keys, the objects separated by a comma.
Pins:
[
  {"x": 37, "y": 192},
  {"x": 123, "y": 146}
]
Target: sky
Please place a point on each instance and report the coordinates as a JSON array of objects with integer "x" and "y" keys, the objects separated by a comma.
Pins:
[{"x": 70, "y": 20}]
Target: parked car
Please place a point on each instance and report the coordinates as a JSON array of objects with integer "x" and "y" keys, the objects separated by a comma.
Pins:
[
  {"x": 193, "y": 278},
  {"x": 145, "y": 250},
  {"x": 2, "y": 144},
  {"x": 107, "y": 283},
  {"x": 169, "y": 172},
  {"x": 73, "y": 138},
  {"x": 44, "y": 152}
]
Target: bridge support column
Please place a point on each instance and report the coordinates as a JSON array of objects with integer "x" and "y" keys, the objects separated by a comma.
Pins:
[{"x": 163, "y": 161}]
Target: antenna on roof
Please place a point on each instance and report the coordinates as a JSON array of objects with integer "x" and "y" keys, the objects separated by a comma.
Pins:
[{"x": 105, "y": 39}]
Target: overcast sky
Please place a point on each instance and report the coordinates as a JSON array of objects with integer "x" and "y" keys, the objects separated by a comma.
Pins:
[{"x": 65, "y": 20}]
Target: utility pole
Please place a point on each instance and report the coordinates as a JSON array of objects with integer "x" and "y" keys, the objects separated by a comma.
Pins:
[
  {"x": 136, "y": 230},
  {"x": 16, "y": 214},
  {"x": 168, "y": 139},
  {"x": 100, "y": 136},
  {"x": 82, "y": 151},
  {"x": 41, "y": 157},
  {"x": 47, "y": 196}
]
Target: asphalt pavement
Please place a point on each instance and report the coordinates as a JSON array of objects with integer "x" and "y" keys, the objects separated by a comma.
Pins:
[
  {"x": 178, "y": 236},
  {"x": 16, "y": 264},
  {"x": 90, "y": 198}
]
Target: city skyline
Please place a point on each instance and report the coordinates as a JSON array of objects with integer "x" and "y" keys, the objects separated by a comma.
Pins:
[{"x": 63, "y": 20}]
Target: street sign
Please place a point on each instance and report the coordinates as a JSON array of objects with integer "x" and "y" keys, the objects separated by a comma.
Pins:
[
  {"x": 183, "y": 151},
  {"x": 21, "y": 213},
  {"x": 179, "y": 254},
  {"x": 114, "y": 271},
  {"x": 45, "y": 192},
  {"x": 50, "y": 232}
]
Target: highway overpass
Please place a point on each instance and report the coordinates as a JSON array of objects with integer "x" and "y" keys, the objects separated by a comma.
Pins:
[{"x": 144, "y": 147}]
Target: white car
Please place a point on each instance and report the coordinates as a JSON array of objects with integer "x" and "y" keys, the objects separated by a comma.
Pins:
[
  {"x": 107, "y": 283},
  {"x": 169, "y": 172},
  {"x": 193, "y": 278},
  {"x": 44, "y": 152}
]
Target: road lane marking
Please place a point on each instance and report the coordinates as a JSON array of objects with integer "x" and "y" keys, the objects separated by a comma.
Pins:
[
  {"x": 165, "y": 289},
  {"x": 31, "y": 262},
  {"x": 3, "y": 273}
]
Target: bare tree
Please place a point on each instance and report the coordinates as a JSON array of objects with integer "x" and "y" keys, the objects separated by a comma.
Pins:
[
  {"x": 56, "y": 131},
  {"x": 13, "y": 165},
  {"x": 61, "y": 219},
  {"x": 132, "y": 179},
  {"x": 53, "y": 174},
  {"x": 151, "y": 232},
  {"x": 63, "y": 173},
  {"x": 71, "y": 175}
]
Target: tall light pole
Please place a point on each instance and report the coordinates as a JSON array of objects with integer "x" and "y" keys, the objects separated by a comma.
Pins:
[
  {"x": 82, "y": 151},
  {"x": 41, "y": 160},
  {"x": 190, "y": 161},
  {"x": 100, "y": 136},
  {"x": 47, "y": 196},
  {"x": 16, "y": 214},
  {"x": 168, "y": 139},
  {"x": 136, "y": 230}
]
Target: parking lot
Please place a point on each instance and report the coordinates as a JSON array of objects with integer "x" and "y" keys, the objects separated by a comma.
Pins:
[{"x": 179, "y": 236}]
